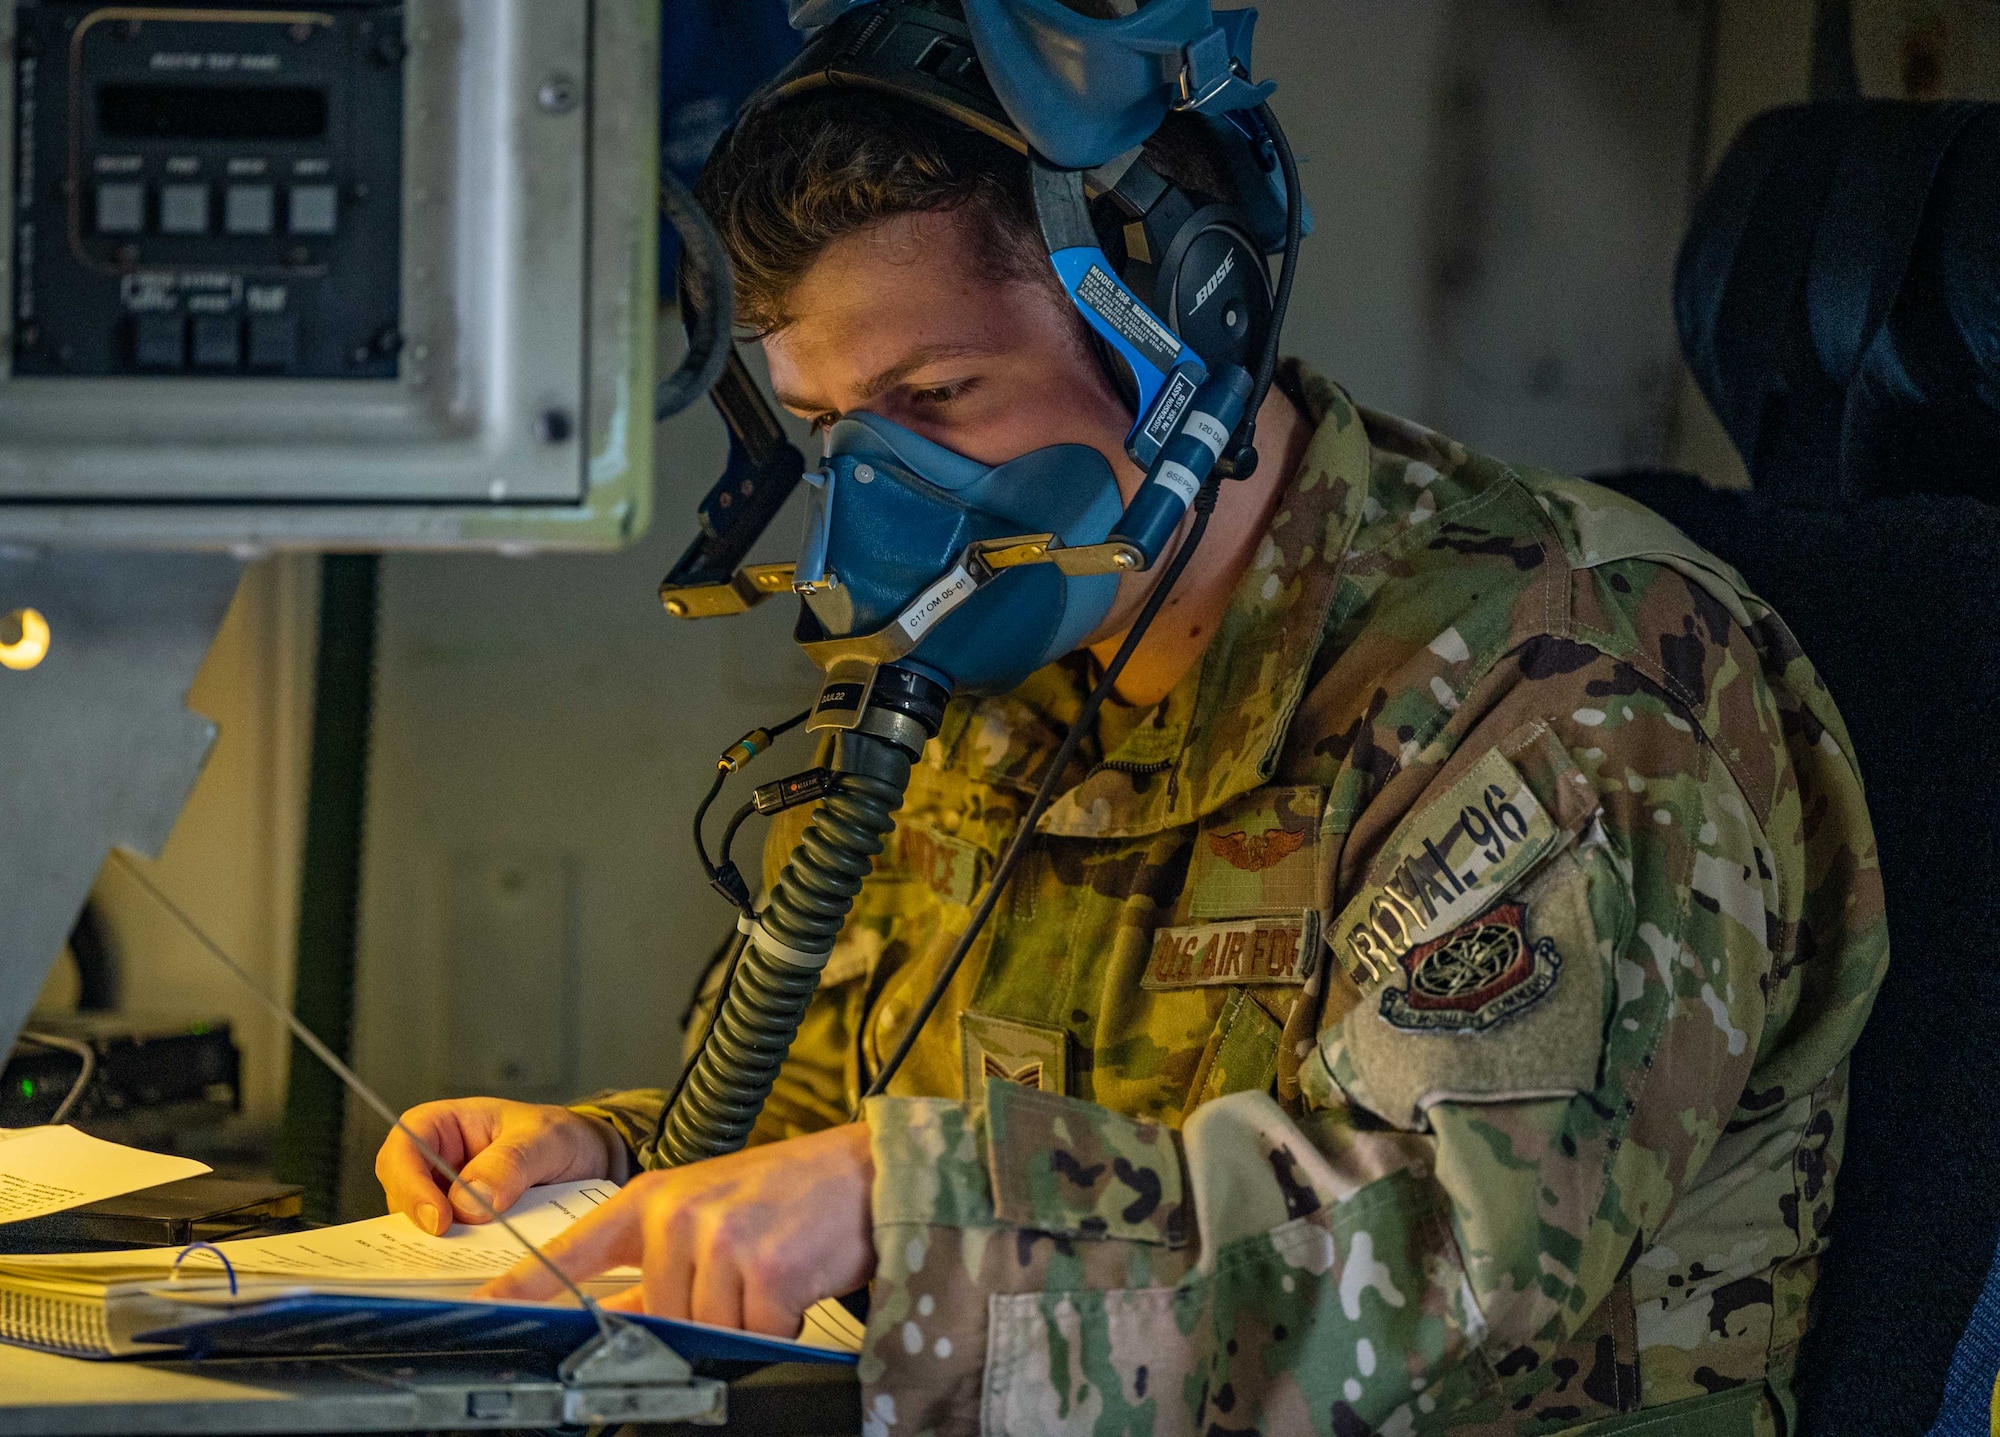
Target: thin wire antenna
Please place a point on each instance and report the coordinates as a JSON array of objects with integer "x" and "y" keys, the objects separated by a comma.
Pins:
[
  {"x": 79, "y": 1049},
  {"x": 347, "y": 1075}
]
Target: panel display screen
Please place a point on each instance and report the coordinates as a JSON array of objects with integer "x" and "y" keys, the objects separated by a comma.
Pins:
[{"x": 211, "y": 112}]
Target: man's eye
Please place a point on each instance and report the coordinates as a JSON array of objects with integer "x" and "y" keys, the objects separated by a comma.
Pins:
[
  {"x": 938, "y": 394},
  {"x": 823, "y": 422}
]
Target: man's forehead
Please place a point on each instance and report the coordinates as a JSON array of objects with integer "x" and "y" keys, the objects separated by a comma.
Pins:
[{"x": 867, "y": 316}]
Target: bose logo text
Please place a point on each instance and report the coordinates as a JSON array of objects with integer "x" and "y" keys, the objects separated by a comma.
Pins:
[{"x": 1207, "y": 291}]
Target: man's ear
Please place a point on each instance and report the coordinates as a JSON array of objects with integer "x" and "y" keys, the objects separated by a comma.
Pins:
[{"x": 1124, "y": 383}]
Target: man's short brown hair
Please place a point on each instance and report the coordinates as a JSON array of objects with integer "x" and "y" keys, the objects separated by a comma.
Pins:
[{"x": 799, "y": 175}]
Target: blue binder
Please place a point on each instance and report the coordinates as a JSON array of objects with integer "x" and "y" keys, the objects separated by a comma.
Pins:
[{"x": 343, "y": 1326}]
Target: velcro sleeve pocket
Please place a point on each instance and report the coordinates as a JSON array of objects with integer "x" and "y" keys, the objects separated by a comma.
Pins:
[
  {"x": 1507, "y": 1008},
  {"x": 1475, "y": 944},
  {"x": 1064, "y": 1166}
]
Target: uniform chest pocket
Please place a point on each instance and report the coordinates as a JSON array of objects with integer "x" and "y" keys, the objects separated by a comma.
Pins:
[
  {"x": 1246, "y": 932},
  {"x": 1246, "y": 916}
]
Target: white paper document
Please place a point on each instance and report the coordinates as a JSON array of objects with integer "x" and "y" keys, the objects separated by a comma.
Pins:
[
  {"x": 380, "y": 1250},
  {"x": 46, "y": 1170},
  {"x": 394, "y": 1249},
  {"x": 389, "y": 1256}
]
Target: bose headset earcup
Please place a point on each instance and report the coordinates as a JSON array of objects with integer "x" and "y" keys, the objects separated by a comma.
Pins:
[
  {"x": 1214, "y": 291},
  {"x": 1211, "y": 288},
  {"x": 1193, "y": 262}
]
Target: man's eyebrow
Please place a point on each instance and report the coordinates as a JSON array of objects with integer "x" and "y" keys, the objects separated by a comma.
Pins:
[{"x": 894, "y": 375}]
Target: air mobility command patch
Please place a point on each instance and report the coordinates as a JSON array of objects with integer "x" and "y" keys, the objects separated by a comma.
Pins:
[
  {"x": 1453, "y": 860},
  {"x": 1480, "y": 974}
]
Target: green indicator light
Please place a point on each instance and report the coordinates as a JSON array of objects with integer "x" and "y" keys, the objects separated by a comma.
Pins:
[
  {"x": 27, "y": 1087},
  {"x": 198, "y": 1029}
]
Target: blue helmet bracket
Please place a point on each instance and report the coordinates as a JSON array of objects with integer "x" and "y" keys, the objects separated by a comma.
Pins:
[
  {"x": 1166, "y": 371},
  {"x": 1084, "y": 90}
]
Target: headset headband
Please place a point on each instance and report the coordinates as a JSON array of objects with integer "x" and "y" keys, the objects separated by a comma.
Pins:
[{"x": 1083, "y": 91}]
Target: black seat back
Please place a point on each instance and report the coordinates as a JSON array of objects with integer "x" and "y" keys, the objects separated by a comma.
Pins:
[{"x": 1839, "y": 302}]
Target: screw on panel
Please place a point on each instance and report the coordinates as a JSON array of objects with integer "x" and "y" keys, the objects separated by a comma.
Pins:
[
  {"x": 558, "y": 95},
  {"x": 554, "y": 426}
]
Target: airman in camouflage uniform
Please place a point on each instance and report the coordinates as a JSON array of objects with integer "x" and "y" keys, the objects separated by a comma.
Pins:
[{"x": 1433, "y": 1016}]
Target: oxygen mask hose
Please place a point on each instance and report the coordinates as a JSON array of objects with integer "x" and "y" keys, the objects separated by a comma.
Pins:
[{"x": 783, "y": 951}]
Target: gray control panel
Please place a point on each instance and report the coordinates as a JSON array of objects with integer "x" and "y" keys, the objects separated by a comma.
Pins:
[
  {"x": 208, "y": 192},
  {"x": 355, "y": 273}
]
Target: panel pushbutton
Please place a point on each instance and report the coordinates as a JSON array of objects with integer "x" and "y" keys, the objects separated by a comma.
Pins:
[
  {"x": 313, "y": 209},
  {"x": 121, "y": 209},
  {"x": 159, "y": 339},
  {"x": 274, "y": 341},
  {"x": 184, "y": 210},
  {"x": 249, "y": 210},
  {"x": 218, "y": 341}
]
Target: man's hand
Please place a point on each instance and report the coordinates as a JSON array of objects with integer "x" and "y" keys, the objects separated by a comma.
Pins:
[
  {"x": 502, "y": 1148},
  {"x": 750, "y": 1240}
]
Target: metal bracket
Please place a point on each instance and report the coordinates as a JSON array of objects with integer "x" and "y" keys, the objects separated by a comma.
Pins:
[
  {"x": 632, "y": 1376},
  {"x": 1214, "y": 82},
  {"x": 1113, "y": 557},
  {"x": 978, "y": 564},
  {"x": 748, "y": 587}
]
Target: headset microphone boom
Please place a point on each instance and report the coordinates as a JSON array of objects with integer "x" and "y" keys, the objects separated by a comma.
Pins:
[{"x": 924, "y": 572}]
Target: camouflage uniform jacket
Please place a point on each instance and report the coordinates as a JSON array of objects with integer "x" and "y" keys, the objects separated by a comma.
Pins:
[{"x": 1432, "y": 1017}]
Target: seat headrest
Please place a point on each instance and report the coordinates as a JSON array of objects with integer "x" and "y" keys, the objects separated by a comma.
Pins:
[{"x": 1838, "y": 298}]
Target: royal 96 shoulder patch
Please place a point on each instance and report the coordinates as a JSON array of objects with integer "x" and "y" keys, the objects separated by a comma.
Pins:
[
  {"x": 1450, "y": 862},
  {"x": 1480, "y": 964}
]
